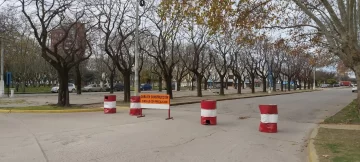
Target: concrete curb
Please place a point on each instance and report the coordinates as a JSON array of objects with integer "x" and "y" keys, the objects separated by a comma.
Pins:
[
  {"x": 59, "y": 111},
  {"x": 313, "y": 157}
]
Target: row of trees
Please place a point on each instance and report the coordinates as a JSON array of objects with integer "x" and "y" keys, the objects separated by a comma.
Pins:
[{"x": 176, "y": 38}]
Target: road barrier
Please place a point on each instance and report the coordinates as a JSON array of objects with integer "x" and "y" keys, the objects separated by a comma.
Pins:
[
  {"x": 269, "y": 118},
  {"x": 109, "y": 104},
  {"x": 208, "y": 112},
  {"x": 156, "y": 101},
  {"x": 135, "y": 106}
]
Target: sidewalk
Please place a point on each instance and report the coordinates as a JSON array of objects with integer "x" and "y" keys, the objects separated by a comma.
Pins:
[{"x": 340, "y": 126}]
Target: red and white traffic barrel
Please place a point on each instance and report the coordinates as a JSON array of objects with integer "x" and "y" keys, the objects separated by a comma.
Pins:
[
  {"x": 208, "y": 112},
  {"x": 109, "y": 104},
  {"x": 135, "y": 106},
  {"x": 269, "y": 118}
]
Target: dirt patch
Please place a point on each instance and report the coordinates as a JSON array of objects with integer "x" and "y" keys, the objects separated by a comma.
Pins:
[{"x": 244, "y": 117}]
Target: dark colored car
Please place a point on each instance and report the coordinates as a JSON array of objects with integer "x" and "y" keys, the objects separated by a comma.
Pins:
[
  {"x": 336, "y": 85},
  {"x": 117, "y": 87},
  {"x": 145, "y": 87}
]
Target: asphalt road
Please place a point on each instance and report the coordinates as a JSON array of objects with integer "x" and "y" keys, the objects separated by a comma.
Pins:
[{"x": 120, "y": 137}]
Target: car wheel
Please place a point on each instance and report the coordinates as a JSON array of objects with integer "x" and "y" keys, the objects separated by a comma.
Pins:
[
  {"x": 73, "y": 90},
  {"x": 89, "y": 90}
]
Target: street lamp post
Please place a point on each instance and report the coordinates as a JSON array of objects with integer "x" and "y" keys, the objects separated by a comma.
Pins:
[
  {"x": 314, "y": 86},
  {"x": 136, "y": 88},
  {"x": 2, "y": 67}
]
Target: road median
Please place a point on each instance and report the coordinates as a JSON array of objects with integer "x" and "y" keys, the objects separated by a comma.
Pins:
[
  {"x": 121, "y": 106},
  {"x": 50, "y": 109},
  {"x": 193, "y": 99}
]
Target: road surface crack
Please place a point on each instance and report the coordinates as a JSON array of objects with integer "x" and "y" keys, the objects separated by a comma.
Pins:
[{"x": 188, "y": 141}]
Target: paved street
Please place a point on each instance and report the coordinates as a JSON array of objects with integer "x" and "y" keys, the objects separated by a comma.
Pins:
[{"x": 119, "y": 137}]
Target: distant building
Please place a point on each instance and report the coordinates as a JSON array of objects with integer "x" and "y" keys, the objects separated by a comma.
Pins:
[{"x": 72, "y": 38}]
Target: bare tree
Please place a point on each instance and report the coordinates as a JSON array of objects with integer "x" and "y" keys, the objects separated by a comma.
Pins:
[
  {"x": 338, "y": 22},
  {"x": 220, "y": 57},
  {"x": 156, "y": 70},
  {"x": 263, "y": 50},
  {"x": 292, "y": 66},
  {"x": 238, "y": 68},
  {"x": 180, "y": 72},
  {"x": 276, "y": 61},
  {"x": 60, "y": 15},
  {"x": 196, "y": 58},
  {"x": 251, "y": 65},
  {"x": 118, "y": 28},
  {"x": 165, "y": 46}
]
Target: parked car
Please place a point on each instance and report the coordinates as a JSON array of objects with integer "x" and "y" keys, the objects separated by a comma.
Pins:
[
  {"x": 336, "y": 85},
  {"x": 354, "y": 89},
  {"x": 71, "y": 88},
  {"x": 145, "y": 87},
  {"x": 117, "y": 87},
  {"x": 92, "y": 88},
  {"x": 324, "y": 86}
]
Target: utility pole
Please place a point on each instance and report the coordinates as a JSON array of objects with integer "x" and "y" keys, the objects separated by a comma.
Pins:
[
  {"x": 136, "y": 88},
  {"x": 314, "y": 86},
  {"x": 2, "y": 67}
]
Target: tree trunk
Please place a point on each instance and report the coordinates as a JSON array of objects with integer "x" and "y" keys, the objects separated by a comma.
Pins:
[
  {"x": 274, "y": 84},
  {"x": 63, "y": 91},
  {"x": 127, "y": 85},
  {"x": 198, "y": 85},
  {"x": 252, "y": 83},
  {"x": 295, "y": 85},
  {"x": 238, "y": 85},
  {"x": 205, "y": 84},
  {"x": 139, "y": 83},
  {"x": 305, "y": 82},
  {"x": 178, "y": 84},
  {"x": 288, "y": 84},
  {"x": 264, "y": 83},
  {"x": 23, "y": 87},
  {"x": 78, "y": 79},
  {"x": 192, "y": 86},
  {"x": 282, "y": 85},
  {"x": 112, "y": 75},
  {"x": 309, "y": 84},
  {"x": 168, "y": 80},
  {"x": 222, "y": 85},
  {"x": 300, "y": 87},
  {"x": 226, "y": 84},
  {"x": 160, "y": 84}
]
